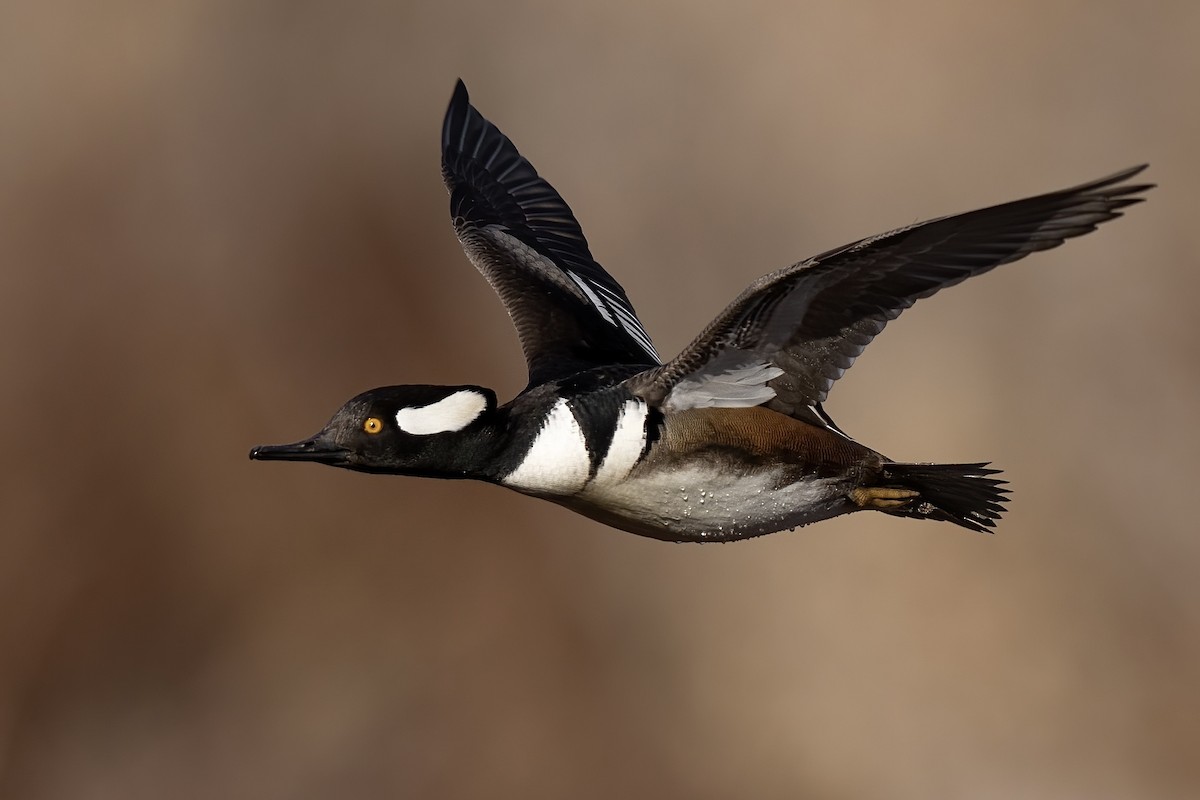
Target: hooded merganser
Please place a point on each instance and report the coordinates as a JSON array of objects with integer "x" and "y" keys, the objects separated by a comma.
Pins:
[{"x": 729, "y": 439}]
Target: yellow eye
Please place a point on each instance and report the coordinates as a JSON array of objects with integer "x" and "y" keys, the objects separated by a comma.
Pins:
[{"x": 373, "y": 425}]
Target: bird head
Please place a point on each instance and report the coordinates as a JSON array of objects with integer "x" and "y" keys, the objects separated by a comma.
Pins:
[{"x": 406, "y": 430}]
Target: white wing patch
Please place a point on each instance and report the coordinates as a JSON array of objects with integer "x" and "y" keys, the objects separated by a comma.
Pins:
[
  {"x": 627, "y": 444},
  {"x": 592, "y": 298},
  {"x": 615, "y": 311},
  {"x": 611, "y": 308},
  {"x": 740, "y": 386},
  {"x": 557, "y": 462},
  {"x": 451, "y": 413}
]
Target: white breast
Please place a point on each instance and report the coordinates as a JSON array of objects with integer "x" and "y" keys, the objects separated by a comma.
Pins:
[
  {"x": 627, "y": 445},
  {"x": 557, "y": 463}
]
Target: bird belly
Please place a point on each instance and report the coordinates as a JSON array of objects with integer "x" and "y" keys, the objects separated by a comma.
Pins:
[{"x": 699, "y": 504}]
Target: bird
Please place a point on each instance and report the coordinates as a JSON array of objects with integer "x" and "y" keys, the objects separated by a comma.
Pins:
[{"x": 729, "y": 439}]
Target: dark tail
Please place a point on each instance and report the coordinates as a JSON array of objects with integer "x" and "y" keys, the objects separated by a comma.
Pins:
[{"x": 964, "y": 494}]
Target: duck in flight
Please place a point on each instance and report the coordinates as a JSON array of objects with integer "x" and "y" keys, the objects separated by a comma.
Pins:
[{"x": 727, "y": 440}]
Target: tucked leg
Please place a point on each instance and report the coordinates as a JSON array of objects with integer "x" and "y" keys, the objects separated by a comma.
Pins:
[{"x": 882, "y": 498}]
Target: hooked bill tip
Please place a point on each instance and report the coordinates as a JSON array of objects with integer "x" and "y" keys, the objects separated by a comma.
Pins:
[{"x": 281, "y": 452}]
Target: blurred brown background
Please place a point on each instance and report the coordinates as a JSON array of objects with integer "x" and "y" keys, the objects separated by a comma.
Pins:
[{"x": 220, "y": 219}]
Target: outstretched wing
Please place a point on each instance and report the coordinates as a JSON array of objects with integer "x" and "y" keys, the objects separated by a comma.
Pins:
[
  {"x": 791, "y": 335},
  {"x": 518, "y": 231}
]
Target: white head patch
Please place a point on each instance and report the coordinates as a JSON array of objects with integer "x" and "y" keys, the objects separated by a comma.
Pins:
[{"x": 452, "y": 413}]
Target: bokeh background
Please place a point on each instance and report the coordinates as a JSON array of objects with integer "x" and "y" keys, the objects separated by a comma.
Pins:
[{"x": 220, "y": 218}]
